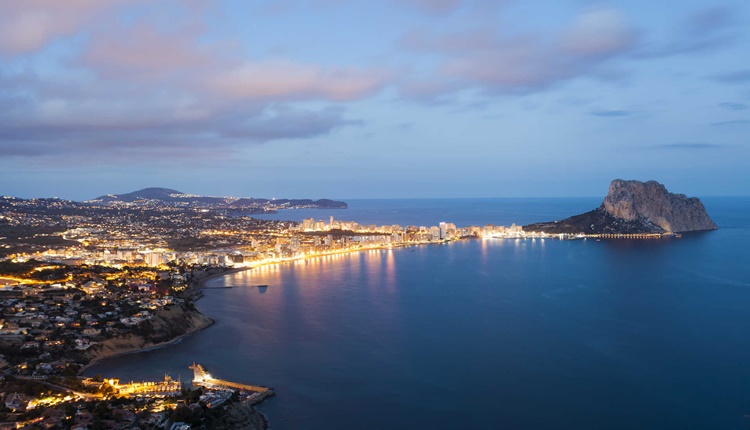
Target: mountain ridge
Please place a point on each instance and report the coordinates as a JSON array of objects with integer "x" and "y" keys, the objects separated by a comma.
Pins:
[{"x": 172, "y": 196}]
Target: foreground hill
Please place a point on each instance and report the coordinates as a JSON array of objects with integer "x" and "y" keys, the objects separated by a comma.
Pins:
[
  {"x": 174, "y": 197},
  {"x": 634, "y": 207}
]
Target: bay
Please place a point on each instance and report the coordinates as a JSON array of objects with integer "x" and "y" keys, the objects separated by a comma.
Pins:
[
  {"x": 462, "y": 212},
  {"x": 516, "y": 334}
]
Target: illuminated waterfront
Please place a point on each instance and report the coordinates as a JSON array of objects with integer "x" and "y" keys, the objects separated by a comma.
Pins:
[{"x": 499, "y": 333}]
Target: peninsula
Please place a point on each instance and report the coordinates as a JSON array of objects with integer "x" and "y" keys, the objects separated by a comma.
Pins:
[
  {"x": 170, "y": 197},
  {"x": 635, "y": 207}
]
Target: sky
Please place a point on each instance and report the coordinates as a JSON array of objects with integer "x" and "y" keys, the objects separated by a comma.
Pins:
[{"x": 373, "y": 98}]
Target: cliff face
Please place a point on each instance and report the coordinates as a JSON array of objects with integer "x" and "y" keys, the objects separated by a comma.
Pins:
[
  {"x": 634, "y": 207},
  {"x": 633, "y": 200},
  {"x": 240, "y": 416},
  {"x": 166, "y": 326}
]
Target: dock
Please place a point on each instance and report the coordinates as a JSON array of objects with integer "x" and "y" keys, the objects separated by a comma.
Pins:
[{"x": 202, "y": 378}]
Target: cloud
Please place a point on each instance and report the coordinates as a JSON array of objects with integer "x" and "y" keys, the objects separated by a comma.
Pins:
[
  {"x": 612, "y": 113},
  {"x": 405, "y": 126},
  {"x": 283, "y": 79},
  {"x": 29, "y": 25},
  {"x": 600, "y": 32},
  {"x": 710, "y": 19},
  {"x": 733, "y": 122},
  {"x": 143, "y": 51},
  {"x": 435, "y": 7},
  {"x": 224, "y": 132},
  {"x": 289, "y": 123},
  {"x": 689, "y": 145},
  {"x": 144, "y": 86},
  {"x": 735, "y": 77},
  {"x": 282, "y": 7},
  {"x": 12, "y": 149},
  {"x": 706, "y": 30},
  {"x": 486, "y": 59},
  {"x": 734, "y": 106}
]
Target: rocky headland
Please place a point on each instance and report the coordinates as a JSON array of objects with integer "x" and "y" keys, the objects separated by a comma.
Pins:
[
  {"x": 635, "y": 207},
  {"x": 167, "y": 326}
]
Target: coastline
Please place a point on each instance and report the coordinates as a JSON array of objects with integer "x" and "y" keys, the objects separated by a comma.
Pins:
[
  {"x": 197, "y": 294},
  {"x": 304, "y": 257},
  {"x": 4, "y": 280},
  {"x": 147, "y": 347},
  {"x": 203, "y": 281},
  {"x": 135, "y": 350},
  {"x": 248, "y": 415}
]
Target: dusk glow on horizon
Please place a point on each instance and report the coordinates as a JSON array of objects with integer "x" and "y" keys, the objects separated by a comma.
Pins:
[{"x": 373, "y": 99}]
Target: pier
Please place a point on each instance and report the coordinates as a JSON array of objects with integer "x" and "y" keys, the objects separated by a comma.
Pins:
[
  {"x": 202, "y": 378},
  {"x": 631, "y": 235}
]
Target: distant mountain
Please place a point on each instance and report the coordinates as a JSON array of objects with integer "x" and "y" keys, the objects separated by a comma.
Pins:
[
  {"x": 164, "y": 194},
  {"x": 173, "y": 197},
  {"x": 635, "y": 207}
]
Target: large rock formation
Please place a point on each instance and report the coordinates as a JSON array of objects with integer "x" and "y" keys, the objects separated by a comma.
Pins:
[
  {"x": 631, "y": 200},
  {"x": 633, "y": 207}
]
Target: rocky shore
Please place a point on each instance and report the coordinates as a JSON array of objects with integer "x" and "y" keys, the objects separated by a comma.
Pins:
[
  {"x": 168, "y": 326},
  {"x": 241, "y": 416}
]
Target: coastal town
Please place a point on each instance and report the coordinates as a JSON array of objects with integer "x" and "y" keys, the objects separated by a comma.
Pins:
[
  {"x": 51, "y": 331},
  {"x": 84, "y": 282}
]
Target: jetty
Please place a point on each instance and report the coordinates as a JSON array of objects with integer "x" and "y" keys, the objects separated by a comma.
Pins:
[
  {"x": 633, "y": 235},
  {"x": 202, "y": 378}
]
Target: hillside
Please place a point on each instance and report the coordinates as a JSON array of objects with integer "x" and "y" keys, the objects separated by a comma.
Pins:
[{"x": 173, "y": 197}]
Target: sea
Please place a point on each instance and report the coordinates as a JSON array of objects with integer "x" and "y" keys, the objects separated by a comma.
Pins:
[{"x": 486, "y": 333}]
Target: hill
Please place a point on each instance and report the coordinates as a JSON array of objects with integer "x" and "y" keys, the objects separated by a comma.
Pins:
[
  {"x": 164, "y": 194},
  {"x": 169, "y": 196}
]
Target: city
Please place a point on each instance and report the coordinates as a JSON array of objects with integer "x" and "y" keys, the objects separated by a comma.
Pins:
[
  {"x": 83, "y": 282},
  {"x": 354, "y": 214}
]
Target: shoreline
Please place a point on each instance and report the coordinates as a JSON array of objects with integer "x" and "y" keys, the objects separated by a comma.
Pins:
[
  {"x": 148, "y": 348},
  {"x": 199, "y": 285},
  {"x": 304, "y": 257},
  {"x": 197, "y": 294},
  {"x": 203, "y": 281},
  {"x": 128, "y": 351}
]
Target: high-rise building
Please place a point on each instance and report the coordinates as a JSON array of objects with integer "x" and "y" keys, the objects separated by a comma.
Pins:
[
  {"x": 308, "y": 224},
  {"x": 294, "y": 244}
]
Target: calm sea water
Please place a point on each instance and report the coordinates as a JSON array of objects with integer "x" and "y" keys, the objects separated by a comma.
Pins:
[
  {"x": 462, "y": 212},
  {"x": 508, "y": 334}
]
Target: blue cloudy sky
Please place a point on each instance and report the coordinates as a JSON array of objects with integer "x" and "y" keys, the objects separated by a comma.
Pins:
[{"x": 373, "y": 98}]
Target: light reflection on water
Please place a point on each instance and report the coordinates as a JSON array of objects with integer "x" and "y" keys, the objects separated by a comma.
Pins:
[{"x": 515, "y": 334}]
